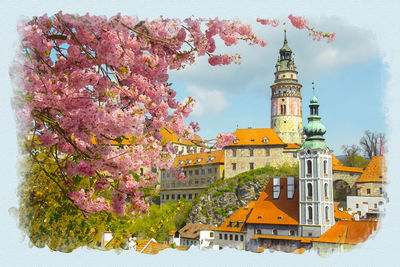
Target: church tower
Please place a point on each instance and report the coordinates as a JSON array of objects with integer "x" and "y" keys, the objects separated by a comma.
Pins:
[
  {"x": 286, "y": 111},
  {"x": 316, "y": 208}
]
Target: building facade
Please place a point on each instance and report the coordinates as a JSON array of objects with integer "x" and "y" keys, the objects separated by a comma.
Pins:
[{"x": 202, "y": 169}]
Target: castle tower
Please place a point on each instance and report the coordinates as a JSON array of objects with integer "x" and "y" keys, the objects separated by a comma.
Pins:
[
  {"x": 286, "y": 111},
  {"x": 316, "y": 208}
]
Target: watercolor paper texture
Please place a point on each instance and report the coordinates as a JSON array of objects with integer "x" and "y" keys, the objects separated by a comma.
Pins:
[{"x": 353, "y": 80}]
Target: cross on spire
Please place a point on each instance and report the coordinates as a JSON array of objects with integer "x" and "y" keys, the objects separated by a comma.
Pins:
[{"x": 313, "y": 88}]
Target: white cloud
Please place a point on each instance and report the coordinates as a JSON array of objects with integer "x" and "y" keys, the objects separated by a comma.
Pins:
[
  {"x": 207, "y": 101},
  {"x": 353, "y": 45}
]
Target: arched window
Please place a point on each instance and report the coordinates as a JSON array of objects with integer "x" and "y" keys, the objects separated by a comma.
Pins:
[
  {"x": 309, "y": 167},
  {"x": 325, "y": 167},
  {"x": 309, "y": 190},
  {"x": 309, "y": 213},
  {"x": 275, "y": 232},
  {"x": 326, "y": 190},
  {"x": 284, "y": 109},
  {"x": 327, "y": 213},
  {"x": 258, "y": 232},
  {"x": 291, "y": 232}
]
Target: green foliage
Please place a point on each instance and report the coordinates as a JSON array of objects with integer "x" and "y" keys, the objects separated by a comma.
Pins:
[
  {"x": 161, "y": 220},
  {"x": 356, "y": 161},
  {"x": 47, "y": 217}
]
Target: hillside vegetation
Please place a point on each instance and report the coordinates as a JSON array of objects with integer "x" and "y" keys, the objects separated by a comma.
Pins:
[{"x": 222, "y": 198}]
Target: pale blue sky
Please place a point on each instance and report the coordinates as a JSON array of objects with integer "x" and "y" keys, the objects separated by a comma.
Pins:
[{"x": 355, "y": 78}]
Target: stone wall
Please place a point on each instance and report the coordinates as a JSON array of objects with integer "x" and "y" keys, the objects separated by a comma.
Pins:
[
  {"x": 370, "y": 189},
  {"x": 262, "y": 156}
]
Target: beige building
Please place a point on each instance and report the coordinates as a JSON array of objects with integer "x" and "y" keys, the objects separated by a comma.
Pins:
[
  {"x": 373, "y": 181},
  {"x": 184, "y": 147},
  {"x": 202, "y": 169},
  {"x": 256, "y": 148}
]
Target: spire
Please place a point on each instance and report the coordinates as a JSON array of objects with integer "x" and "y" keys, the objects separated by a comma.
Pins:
[
  {"x": 285, "y": 41},
  {"x": 314, "y": 128}
]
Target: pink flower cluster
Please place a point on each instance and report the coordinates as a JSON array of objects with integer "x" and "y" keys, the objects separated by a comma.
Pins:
[
  {"x": 301, "y": 23},
  {"x": 272, "y": 22},
  {"x": 95, "y": 89},
  {"x": 224, "y": 140}
]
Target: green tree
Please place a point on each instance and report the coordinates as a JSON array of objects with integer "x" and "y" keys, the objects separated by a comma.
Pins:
[
  {"x": 45, "y": 212},
  {"x": 353, "y": 157}
]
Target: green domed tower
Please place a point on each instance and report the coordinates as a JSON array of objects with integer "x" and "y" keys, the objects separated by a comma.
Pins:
[
  {"x": 286, "y": 112},
  {"x": 316, "y": 207}
]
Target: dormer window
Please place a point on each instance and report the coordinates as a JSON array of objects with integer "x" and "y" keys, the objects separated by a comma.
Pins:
[
  {"x": 235, "y": 141},
  {"x": 198, "y": 160},
  {"x": 188, "y": 161},
  {"x": 180, "y": 162},
  {"x": 210, "y": 158},
  {"x": 265, "y": 140}
]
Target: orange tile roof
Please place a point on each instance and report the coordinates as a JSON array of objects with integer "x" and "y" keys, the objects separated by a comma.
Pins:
[
  {"x": 192, "y": 230},
  {"x": 239, "y": 216},
  {"x": 149, "y": 246},
  {"x": 342, "y": 215},
  {"x": 254, "y": 137},
  {"x": 292, "y": 146},
  {"x": 347, "y": 169},
  {"x": 336, "y": 161},
  {"x": 375, "y": 171},
  {"x": 348, "y": 232},
  {"x": 276, "y": 211},
  {"x": 171, "y": 136},
  {"x": 216, "y": 156}
]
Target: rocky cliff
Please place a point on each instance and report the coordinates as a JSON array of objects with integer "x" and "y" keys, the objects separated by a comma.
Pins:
[{"x": 221, "y": 199}]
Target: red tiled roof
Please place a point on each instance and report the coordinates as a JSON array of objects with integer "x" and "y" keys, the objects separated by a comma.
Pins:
[
  {"x": 149, "y": 246},
  {"x": 375, "y": 171},
  {"x": 255, "y": 137},
  {"x": 192, "y": 231},
  {"x": 276, "y": 211},
  {"x": 292, "y": 146},
  {"x": 347, "y": 169},
  {"x": 239, "y": 216},
  {"x": 348, "y": 232},
  {"x": 216, "y": 156},
  {"x": 171, "y": 136},
  {"x": 336, "y": 161},
  {"x": 342, "y": 215}
]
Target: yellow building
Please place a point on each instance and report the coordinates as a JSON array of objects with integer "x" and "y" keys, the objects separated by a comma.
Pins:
[
  {"x": 202, "y": 169},
  {"x": 256, "y": 148}
]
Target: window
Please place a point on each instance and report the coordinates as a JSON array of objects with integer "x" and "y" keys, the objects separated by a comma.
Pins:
[
  {"x": 209, "y": 170},
  {"x": 380, "y": 190},
  {"x": 195, "y": 195},
  {"x": 251, "y": 166},
  {"x": 375, "y": 205},
  {"x": 251, "y": 152},
  {"x": 173, "y": 196},
  {"x": 310, "y": 213},
  {"x": 196, "y": 172},
  {"x": 325, "y": 167},
  {"x": 234, "y": 153},
  {"x": 230, "y": 237},
  {"x": 211, "y": 234},
  {"x": 141, "y": 171},
  {"x": 327, "y": 213},
  {"x": 234, "y": 166},
  {"x": 226, "y": 236},
  {"x": 190, "y": 196},
  {"x": 196, "y": 181},
  {"x": 236, "y": 237},
  {"x": 220, "y": 236},
  {"x": 167, "y": 197},
  {"x": 265, "y": 140},
  {"x": 241, "y": 238},
  {"x": 190, "y": 173},
  {"x": 309, "y": 190},
  {"x": 267, "y": 152},
  {"x": 275, "y": 232},
  {"x": 215, "y": 170},
  {"x": 309, "y": 167},
  {"x": 258, "y": 232},
  {"x": 162, "y": 196},
  {"x": 294, "y": 155},
  {"x": 357, "y": 206},
  {"x": 291, "y": 232},
  {"x": 203, "y": 172},
  {"x": 368, "y": 191},
  {"x": 184, "y": 196},
  {"x": 326, "y": 190}
]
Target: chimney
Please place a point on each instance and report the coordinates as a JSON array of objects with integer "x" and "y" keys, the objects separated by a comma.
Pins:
[
  {"x": 276, "y": 187},
  {"x": 290, "y": 187}
]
